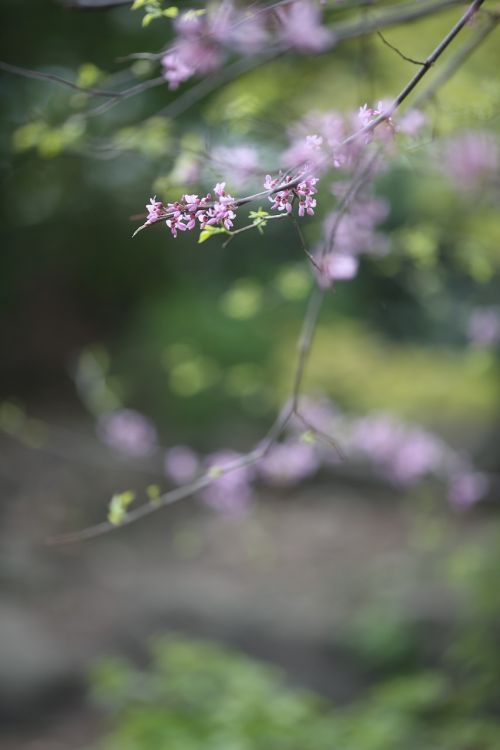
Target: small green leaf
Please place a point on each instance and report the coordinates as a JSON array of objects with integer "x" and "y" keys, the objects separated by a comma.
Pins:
[
  {"x": 308, "y": 437},
  {"x": 214, "y": 472},
  {"x": 153, "y": 492},
  {"x": 148, "y": 18},
  {"x": 171, "y": 12},
  {"x": 210, "y": 231},
  {"x": 118, "y": 506},
  {"x": 259, "y": 214},
  {"x": 138, "y": 4}
]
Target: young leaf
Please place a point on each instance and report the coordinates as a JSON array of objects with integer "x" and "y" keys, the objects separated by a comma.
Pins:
[
  {"x": 209, "y": 231},
  {"x": 118, "y": 506}
]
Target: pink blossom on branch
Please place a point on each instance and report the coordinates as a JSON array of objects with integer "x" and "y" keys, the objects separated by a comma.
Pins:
[
  {"x": 128, "y": 432},
  {"x": 472, "y": 160},
  {"x": 181, "y": 464},
  {"x": 230, "y": 493},
  {"x": 283, "y": 200},
  {"x": 301, "y": 28}
]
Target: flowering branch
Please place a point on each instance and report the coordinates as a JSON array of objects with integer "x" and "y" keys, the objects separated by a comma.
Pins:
[{"x": 221, "y": 212}]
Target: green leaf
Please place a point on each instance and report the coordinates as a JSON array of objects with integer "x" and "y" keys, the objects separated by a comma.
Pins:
[
  {"x": 171, "y": 12},
  {"x": 153, "y": 492},
  {"x": 308, "y": 437},
  {"x": 210, "y": 231},
  {"x": 138, "y": 4},
  {"x": 118, "y": 506}
]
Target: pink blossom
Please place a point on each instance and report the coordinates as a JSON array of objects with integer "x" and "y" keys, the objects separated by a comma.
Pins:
[
  {"x": 467, "y": 488},
  {"x": 472, "y": 159},
  {"x": 412, "y": 122},
  {"x": 181, "y": 464},
  {"x": 176, "y": 68},
  {"x": 336, "y": 267},
  {"x": 238, "y": 162},
  {"x": 301, "y": 27},
  {"x": 354, "y": 231},
  {"x": 155, "y": 209},
  {"x": 289, "y": 462},
  {"x": 405, "y": 454},
  {"x": 195, "y": 51},
  {"x": 247, "y": 32},
  {"x": 282, "y": 200},
  {"x": 127, "y": 431},
  {"x": 230, "y": 493},
  {"x": 182, "y": 215},
  {"x": 484, "y": 326},
  {"x": 319, "y": 411},
  {"x": 418, "y": 455},
  {"x": 366, "y": 116}
]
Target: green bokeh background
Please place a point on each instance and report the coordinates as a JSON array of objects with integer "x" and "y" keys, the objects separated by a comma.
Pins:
[{"x": 202, "y": 338}]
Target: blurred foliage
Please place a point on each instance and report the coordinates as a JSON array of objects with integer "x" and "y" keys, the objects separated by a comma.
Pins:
[{"x": 199, "y": 695}]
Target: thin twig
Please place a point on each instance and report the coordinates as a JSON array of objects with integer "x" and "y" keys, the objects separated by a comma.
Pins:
[
  {"x": 303, "y": 244},
  {"x": 93, "y": 4},
  {"x": 53, "y": 78},
  {"x": 398, "y": 51},
  {"x": 455, "y": 62}
]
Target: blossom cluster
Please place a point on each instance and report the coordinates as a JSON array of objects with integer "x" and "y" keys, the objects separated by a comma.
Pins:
[
  {"x": 334, "y": 143},
  {"x": 192, "y": 210},
  {"x": 402, "y": 453},
  {"x": 184, "y": 214},
  {"x": 204, "y": 40},
  {"x": 283, "y": 199}
]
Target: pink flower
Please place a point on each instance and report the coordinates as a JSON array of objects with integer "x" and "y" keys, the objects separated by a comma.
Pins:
[
  {"x": 467, "y": 488},
  {"x": 223, "y": 211},
  {"x": 289, "y": 462},
  {"x": 336, "y": 267},
  {"x": 412, "y": 122},
  {"x": 176, "y": 68},
  {"x": 181, "y": 464},
  {"x": 230, "y": 493},
  {"x": 472, "y": 159},
  {"x": 196, "y": 50},
  {"x": 304, "y": 192},
  {"x": 127, "y": 431},
  {"x": 301, "y": 27},
  {"x": 240, "y": 163},
  {"x": 366, "y": 115},
  {"x": 404, "y": 453},
  {"x": 484, "y": 326},
  {"x": 155, "y": 209}
]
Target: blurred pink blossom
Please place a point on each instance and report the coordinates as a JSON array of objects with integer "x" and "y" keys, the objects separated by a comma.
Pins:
[
  {"x": 336, "y": 267},
  {"x": 127, "y": 431},
  {"x": 181, "y": 464},
  {"x": 230, "y": 493},
  {"x": 301, "y": 28},
  {"x": 483, "y": 327},
  {"x": 402, "y": 452},
  {"x": 412, "y": 122},
  {"x": 472, "y": 159},
  {"x": 239, "y": 163},
  {"x": 289, "y": 462},
  {"x": 467, "y": 488}
]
